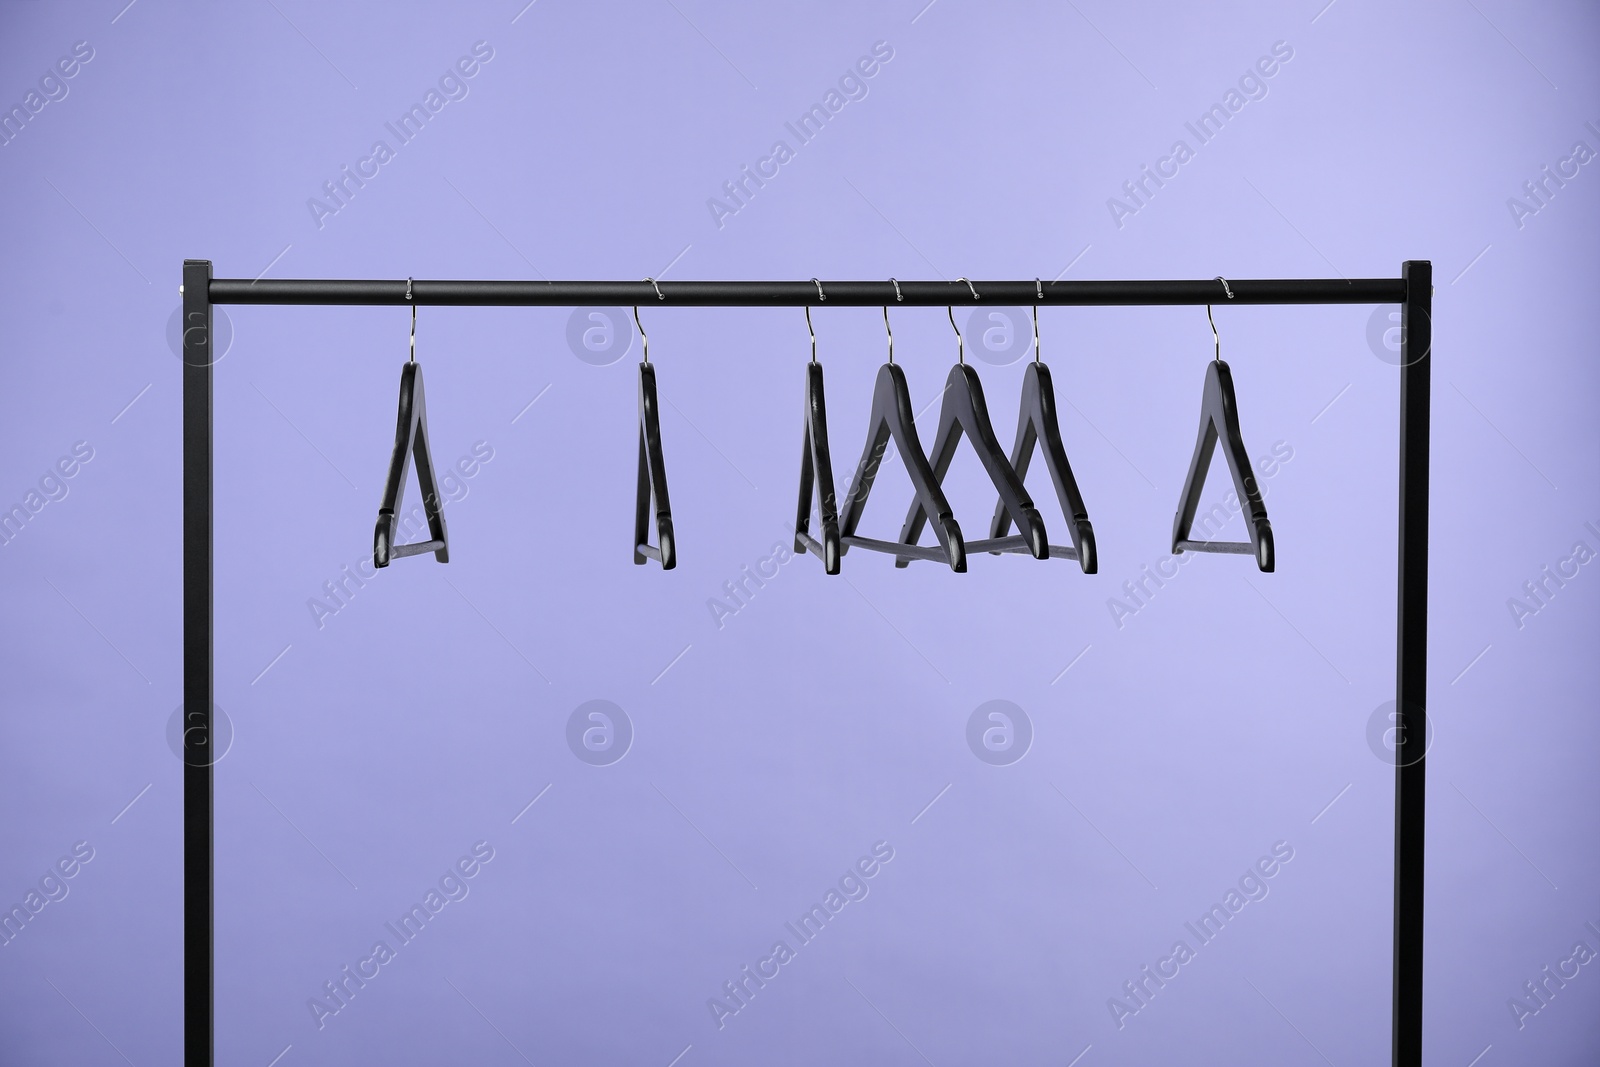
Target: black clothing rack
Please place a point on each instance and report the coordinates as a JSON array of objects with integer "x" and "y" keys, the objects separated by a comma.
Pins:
[{"x": 1413, "y": 291}]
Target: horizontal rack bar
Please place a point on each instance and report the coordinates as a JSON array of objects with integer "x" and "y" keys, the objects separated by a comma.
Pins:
[{"x": 798, "y": 294}]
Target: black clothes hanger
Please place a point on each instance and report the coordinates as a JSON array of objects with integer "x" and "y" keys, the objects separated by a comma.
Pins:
[
  {"x": 410, "y": 444},
  {"x": 652, "y": 496},
  {"x": 1219, "y": 416},
  {"x": 816, "y": 468},
  {"x": 893, "y": 416},
  {"x": 963, "y": 410},
  {"x": 1037, "y": 423}
]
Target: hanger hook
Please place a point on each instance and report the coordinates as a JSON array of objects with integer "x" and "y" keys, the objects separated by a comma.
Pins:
[
  {"x": 413, "y": 321},
  {"x": 888, "y": 331},
  {"x": 657, "y": 288},
  {"x": 1036, "y": 333},
  {"x": 897, "y": 296},
  {"x": 821, "y": 296},
  {"x": 961, "y": 344},
  {"x": 813, "y": 334},
  {"x": 975, "y": 295},
  {"x": 644, "y": 338},
  {"x": 1216, "y": 339}
]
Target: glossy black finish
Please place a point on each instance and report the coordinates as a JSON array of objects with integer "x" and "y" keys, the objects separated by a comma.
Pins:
[
  {"x": 1037, "y": 424},
  {"x": 800, "y": 294},
  {"x": 963, "y": 411},
  {"x": 652, "y": 481},
  {"x": 198, "y": 950},
  {"x": 1411, "y": 655},
  {"x": 1219, "y": 417},
  {"x": 893, "y": 416},
  {"x": 410, "y": 444},
  {"x": 1412, "y": 291},
  {"x": 816, "y": 469}
]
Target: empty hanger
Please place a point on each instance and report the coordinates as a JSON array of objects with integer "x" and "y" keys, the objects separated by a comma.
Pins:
[
  {"x": 1037, "y": 424},
  {"x": 652, "y": 496},
  {"x": 1219, "y": 416},
  {"x": 816, "y": 467},
  {"x": 410, "y": 444},
  {"x": 893, "y": 416},
  {"x": 963, "y": 411}
]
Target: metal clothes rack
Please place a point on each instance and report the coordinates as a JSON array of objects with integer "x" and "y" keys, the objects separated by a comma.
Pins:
[{"x": 1413, "y": 291}]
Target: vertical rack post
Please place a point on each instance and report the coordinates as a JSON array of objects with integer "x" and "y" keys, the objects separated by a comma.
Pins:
[
  {"x": 197, "y": 665},
  {"x": 1411, "y": 668}
]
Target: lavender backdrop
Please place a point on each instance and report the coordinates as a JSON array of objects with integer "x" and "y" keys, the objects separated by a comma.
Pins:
[{"x": 778, "y": 726}]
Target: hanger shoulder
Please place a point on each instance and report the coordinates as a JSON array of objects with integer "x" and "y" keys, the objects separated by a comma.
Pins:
[
  {"x": 1038, "y": 424},
  {"x": 410, "y": 446},
  {"x": 871, "y": 459},
  {"x": 926, "y": 473},
  {"x": 963, "y": 410},
  {"x": 816, "y": 468},
  {"x": 1219, "y": 421},
  {"x": 651, "y": 497},
  {"x": 893, "y": 417}
]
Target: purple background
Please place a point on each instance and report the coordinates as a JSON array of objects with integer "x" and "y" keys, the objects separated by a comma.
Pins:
[{"x": 1168, "y": 754}]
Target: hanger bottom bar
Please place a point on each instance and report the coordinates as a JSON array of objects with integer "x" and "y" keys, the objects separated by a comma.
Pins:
[
  {"x": 1232, "y": 548},
  {"x": 415, "y": 548},
  {"x": 995, "y": 546}
]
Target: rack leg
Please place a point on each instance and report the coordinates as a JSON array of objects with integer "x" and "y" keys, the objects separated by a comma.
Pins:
[
  {"x": 1416, "y": 350},
  {"x": 197, "y": 665}
]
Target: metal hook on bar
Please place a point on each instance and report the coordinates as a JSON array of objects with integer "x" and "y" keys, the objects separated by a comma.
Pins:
[
  {"x": 1216, "y": 340},
  {"x": 644, "y": 338},
  {"x": 657, "y": 288},
  {"x": 961, "y": 344},
  {"x": 1039, "y": 288},
  {"x": 975, "y": 295},
  {"x": 413, "y": 322},
  {"x": 820, "y": 297},
  {"x": 897, "y": 296}
]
